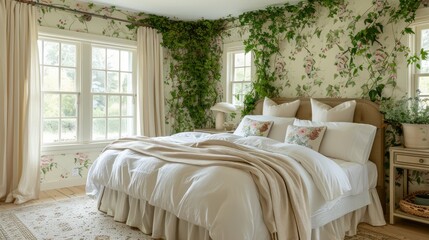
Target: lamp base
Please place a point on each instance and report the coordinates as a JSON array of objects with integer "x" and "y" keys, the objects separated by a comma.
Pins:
[{"x": 220, "y": 119}]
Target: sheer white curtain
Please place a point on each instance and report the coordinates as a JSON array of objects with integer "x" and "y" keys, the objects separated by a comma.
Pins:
[
  {"x": 150, "y": 82},
  {"x": 20, "y": 103}
]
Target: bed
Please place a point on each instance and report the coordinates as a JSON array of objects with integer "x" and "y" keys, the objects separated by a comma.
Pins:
[{"x": 234, "y": 201}]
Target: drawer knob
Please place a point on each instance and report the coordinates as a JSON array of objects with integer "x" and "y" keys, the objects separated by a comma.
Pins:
[{"x": 421, "y": 160}]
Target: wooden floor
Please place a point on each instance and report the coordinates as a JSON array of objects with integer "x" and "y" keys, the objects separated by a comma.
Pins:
[{"x": 403, "y": 229}]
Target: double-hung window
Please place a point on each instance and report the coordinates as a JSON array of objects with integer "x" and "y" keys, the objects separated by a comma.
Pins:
[
  {"x": 88, "y": 89},
  {"x": 421, "y": 76},
  {"x": 239, "y": 74}
]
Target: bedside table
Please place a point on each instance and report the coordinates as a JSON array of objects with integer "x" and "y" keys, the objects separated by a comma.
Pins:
[
  {"x": 407, "y": 159},
  {"x": 212, "y": 130}
]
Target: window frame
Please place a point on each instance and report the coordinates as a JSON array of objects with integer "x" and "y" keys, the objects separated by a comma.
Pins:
[
  {"x": 415, "y": 48},
  {"x": 84, "y": 121},
  {"x": 230, "y": 50}
]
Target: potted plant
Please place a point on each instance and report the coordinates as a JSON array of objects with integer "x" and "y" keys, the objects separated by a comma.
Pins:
[{"x": 413, "y": 115}]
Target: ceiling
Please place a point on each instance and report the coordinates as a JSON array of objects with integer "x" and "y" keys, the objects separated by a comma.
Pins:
[{"x": 193, "y": 9}]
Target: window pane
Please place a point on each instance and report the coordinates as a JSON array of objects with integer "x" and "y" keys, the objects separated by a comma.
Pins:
[
  {"x": 114, "y": 106},
  {"x": 98, "y": 81},
  {"x": 424, "y": 65},
  {"x": 40, "y": 46},
  {"x": 50, "y": 131},
  {"x": 126, "y": 60},
  {"x": 127, "y": 127},
  {"x": 68, "y": 55},
  {"x": 51, "y": 105},
  {"x": 98, "y": 129},
  {"x": 239, "y": 59},
  {"x": 51, "y": 79},
  {"x": 126, "y": 82},
  {"x": 237, "y": 88},
  {"x": 247, "y": 74},
  {"x": 68, "y": 130},
  {"x": 113, "y": 128},
  {"x": 99, "y": 106},
  {"x": 236, "y": 99},
  {"x": 68, "y": 79},
  {"x": 112, "y": 82},
  {"x": 239, "y": 74},
  {"x": 248, "y": 59},
  {"x": 424, "y": 85},
  {"x": 98, "y": 58},
  {"x": 127, "y": 106},
  {"x": 51, "y": 53},
  {"x": 68, "y": 105},
  {"x": 112, "y": 59},
  {"x": 246, "y": 88}
]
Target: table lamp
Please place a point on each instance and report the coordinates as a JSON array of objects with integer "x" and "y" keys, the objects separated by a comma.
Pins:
[{"x": 220, "y": 109}]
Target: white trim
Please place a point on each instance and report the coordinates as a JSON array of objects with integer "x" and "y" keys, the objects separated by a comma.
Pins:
[
  {"x": 85, "y": 37},
  {"x": 422, "y": 16},
  {"x": 73, "y": 148},
  {"x": 63, "y": 183}
]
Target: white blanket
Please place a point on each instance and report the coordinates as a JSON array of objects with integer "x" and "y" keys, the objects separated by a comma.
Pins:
[{"x": 223, "y": 200}]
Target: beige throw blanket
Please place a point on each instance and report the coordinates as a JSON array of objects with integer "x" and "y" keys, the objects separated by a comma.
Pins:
[{"x": 282, "y": 194}]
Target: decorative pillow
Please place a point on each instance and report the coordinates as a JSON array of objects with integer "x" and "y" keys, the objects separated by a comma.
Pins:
[
  {"x": 310, "y": 137},
  {"x": 346, "y": 141},
  {"x": 278, "y": 129},
  {"x": 256, "y": 128},
  {"x": 343, "y": 112},
  {"x": 271, "y": 108}
]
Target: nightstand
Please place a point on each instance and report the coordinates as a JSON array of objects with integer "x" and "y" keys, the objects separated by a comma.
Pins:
[
  {"x": 212, "y": 130},
  {"x": 407, "y": 159}
]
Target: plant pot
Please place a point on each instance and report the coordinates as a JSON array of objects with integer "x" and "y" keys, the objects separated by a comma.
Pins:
[{"x": 416, "y": 135}]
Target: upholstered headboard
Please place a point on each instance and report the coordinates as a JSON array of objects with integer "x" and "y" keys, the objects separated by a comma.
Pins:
[{"x": 365, "y": 112}]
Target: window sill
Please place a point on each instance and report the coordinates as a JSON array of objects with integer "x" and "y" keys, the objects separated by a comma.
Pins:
[{"x": 72, "y": 148}]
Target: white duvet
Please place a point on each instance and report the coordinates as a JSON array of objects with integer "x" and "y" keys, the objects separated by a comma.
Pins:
[{"x": 221, "y": 199}]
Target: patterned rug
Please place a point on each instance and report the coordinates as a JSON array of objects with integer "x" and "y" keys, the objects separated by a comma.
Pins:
[
  {"x": 75, "y": 218},
  {"x": 78, "y": 218}
]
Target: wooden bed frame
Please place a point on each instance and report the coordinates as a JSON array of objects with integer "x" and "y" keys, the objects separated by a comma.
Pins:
[{"x": 365, "y": 112}]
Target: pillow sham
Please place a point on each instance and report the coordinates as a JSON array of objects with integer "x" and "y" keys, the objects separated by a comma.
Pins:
[
  {"x": 278, "y": 129},
  {"x": 343, "y": 112},
  {"x": 310, "y": 137},
  {"x": 256, "y": 128},
  {"x": 271, "y": 108},
  {"x": 347, "y": 141}
]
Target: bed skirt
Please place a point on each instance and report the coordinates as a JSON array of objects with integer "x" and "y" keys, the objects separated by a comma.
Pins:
[{"x": 160, "y": 224}]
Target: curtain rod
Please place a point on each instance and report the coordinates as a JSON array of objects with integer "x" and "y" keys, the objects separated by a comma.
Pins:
[{"x": 38, "y": 4}]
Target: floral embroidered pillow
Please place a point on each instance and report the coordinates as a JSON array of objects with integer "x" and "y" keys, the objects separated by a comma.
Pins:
[
  {"x": 256, "y": 128},
  {"x": 310, "y": 137}
]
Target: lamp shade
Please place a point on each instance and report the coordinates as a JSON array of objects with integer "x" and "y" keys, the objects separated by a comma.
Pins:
[
  {"x": 220, "y": 109},
  {"x": 224, "y": 107}
]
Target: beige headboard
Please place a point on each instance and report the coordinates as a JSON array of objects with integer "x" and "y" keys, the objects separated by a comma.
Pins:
[{"x": 366, "y": 112}]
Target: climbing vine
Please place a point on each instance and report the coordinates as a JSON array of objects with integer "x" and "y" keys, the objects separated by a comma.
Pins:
[
  {"x": 195, "y": 48},
  {"x": 364, "y": 52}
]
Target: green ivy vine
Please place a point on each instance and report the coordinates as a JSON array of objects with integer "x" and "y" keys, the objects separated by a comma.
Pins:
[
  {"x": 269, "y": 27},
  {"x": 194, "y": 73}
]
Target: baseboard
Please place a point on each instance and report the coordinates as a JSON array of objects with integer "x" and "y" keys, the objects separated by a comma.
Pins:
[{"x": 62, "y": 184}]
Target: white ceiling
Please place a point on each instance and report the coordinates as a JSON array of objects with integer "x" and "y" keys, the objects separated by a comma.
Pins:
[{"x": 193, "y": 9}]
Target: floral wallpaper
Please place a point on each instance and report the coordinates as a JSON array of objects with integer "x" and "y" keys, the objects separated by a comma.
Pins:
[{"x": 56, "y": 18}]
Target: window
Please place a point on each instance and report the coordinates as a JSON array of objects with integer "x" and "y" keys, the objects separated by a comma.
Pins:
[
  {"x": 421, "y": 76},
  {"x": 239, "y": 77},
  {"x": 88, "y": 92}
]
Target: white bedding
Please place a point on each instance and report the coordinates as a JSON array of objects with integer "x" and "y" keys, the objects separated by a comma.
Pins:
[{"x": 225, "y": 200}]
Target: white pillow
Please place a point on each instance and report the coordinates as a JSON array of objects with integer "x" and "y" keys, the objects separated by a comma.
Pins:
[
  {"x": 347, "y": 141},
  {"x": 278, "y": 129},
  {"x": 271, "y": 108},
  {"x": 343, "y": 112}
]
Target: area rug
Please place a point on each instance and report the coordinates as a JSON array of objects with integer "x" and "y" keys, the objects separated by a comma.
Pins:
[
  {"x": 78, "y": 218},
  {"x": 75, "y": 218},
  {"x": 366, "y": 234}
]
